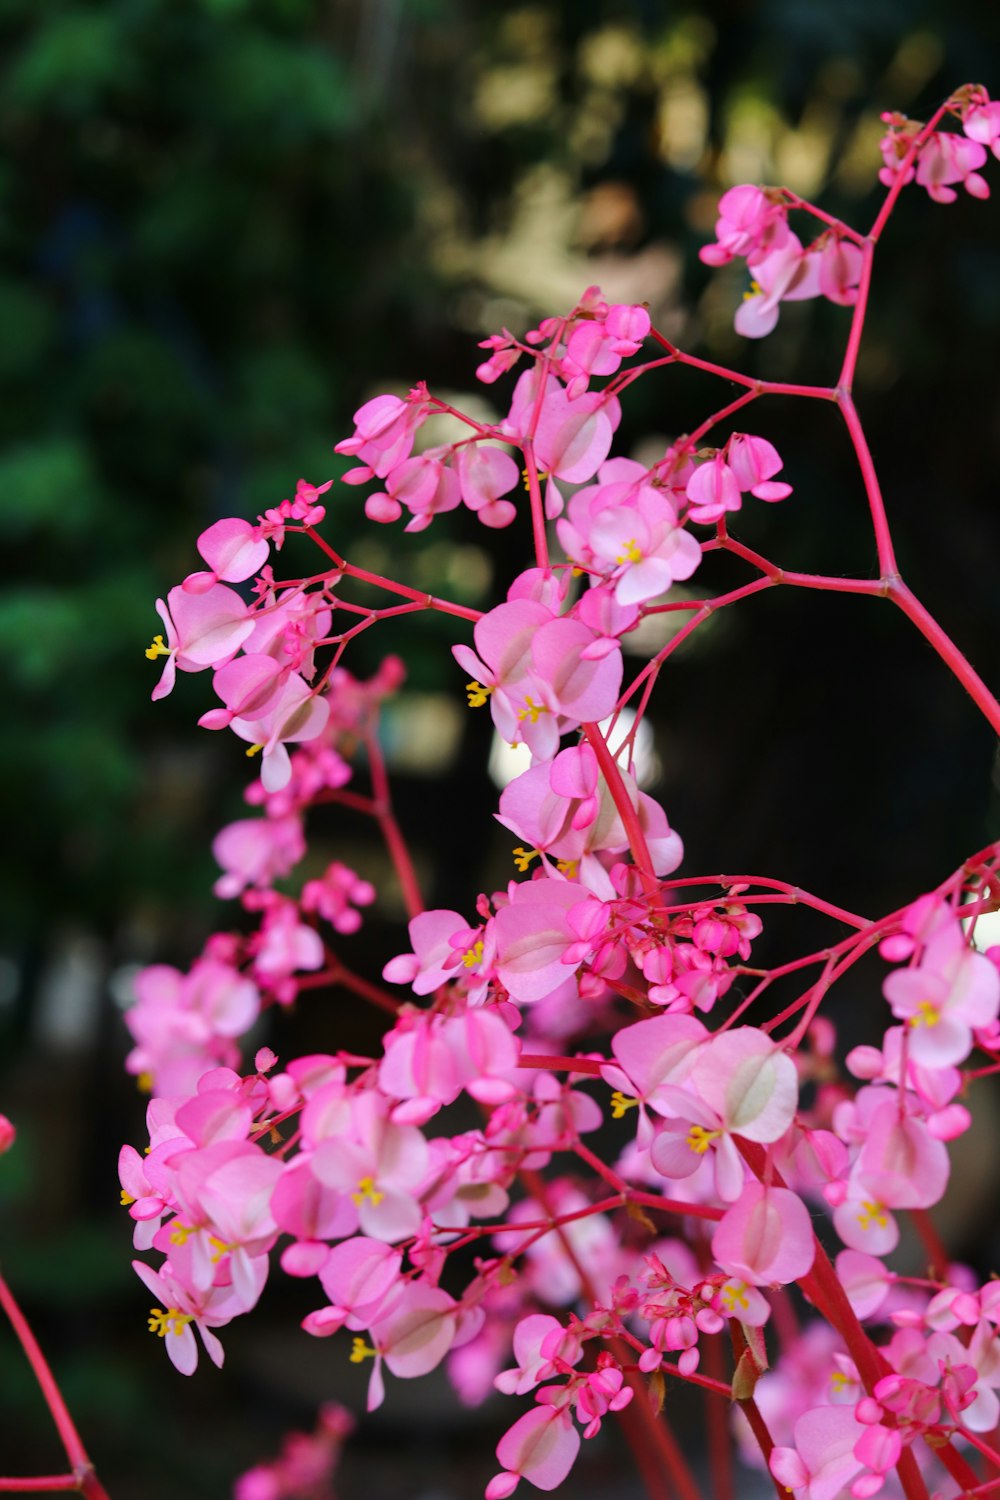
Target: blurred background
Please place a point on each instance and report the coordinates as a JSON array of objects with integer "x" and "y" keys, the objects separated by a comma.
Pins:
[{"x": 223, "y": 225}]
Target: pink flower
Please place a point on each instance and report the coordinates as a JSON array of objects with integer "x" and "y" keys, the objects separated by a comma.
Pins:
[
  {"x": 203, "y": 630},
  {"x": 379, "y": 1166},
  {"x": 751, "y": 224},
  {"x": 234, "y": 551},
  {"x": 823, "y": 1462},
  {"x": 540, "y": 1447},
  {"x": 766, "y": 1238},
  {"x": 182, "y": 1307},
  {"x": 787, "y": 274},
  {"x": 950, "y": 993},
  {"x": 294, "y": 714}
]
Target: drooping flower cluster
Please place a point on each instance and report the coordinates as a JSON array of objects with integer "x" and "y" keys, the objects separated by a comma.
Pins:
[{"x": 597, "y": 990}]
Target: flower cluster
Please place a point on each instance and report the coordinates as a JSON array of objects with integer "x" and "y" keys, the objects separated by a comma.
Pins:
[{"x": 596, "y": 989}]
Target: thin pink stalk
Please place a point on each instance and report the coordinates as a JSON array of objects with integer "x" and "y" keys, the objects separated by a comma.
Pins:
[
  {"x": 41, "y": 1483},
  {"x": 561, "y": 1064},
  {"x": 720, "y": 1443},
  {"x": 395, "y": 842},
  {"x": 883, "y": 538},
  {"x": 794, "y": 201},
  {"x": 622, "y": 801},
  {"x": 83, "y": 1470},
  {"x": 429, "y": 601},
  {"x": 847, "y": 369},
  {"x": 538, "y": 531},
  {"x": 959, "y": 665}
]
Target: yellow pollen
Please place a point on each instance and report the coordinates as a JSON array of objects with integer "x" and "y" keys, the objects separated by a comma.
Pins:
[
  {"x": 531, "y": 710},
  {"x": 254, "y": 750},
  {"x": 472, "y": 955},
  {"x": 180, "y": 1233},
  {"x": 838, "y": 1380},
  {"x": 567, "y": 867},
  {"x": 126, "y": 1199},
  {"x": 699, "y": 1139},
  {"x": 171, "y": 1321},
  {"x": 872, "y": 1213},
  {"x": 157, "y": 649},
  {"x": 360, "y": 1351},
  {"x": 735, "y": 1296},
  {"x": 144, "y": 1083},
  {"x": 926, "y": 1015},
  {"x": 367, "y": 1189},
  {"x": 477, "y": 693},
  {"x": 523, "y": 857},
  {"x": 630, "y": 552},
  {"x": 620, "y": 1104},
  {"x": 756, "y": 290},
  {"x": 221, "y": 1249}
]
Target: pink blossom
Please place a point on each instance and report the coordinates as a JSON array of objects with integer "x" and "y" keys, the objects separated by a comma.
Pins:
[
  {"x": 766, "y": 1237},
  {"x": 379, "y": 1166},
  {"x": 336, "y": 895},
  {"x": 234, "y": 551},
  {"x": 751, "y": 224},
  {"x": 294, "y": 714},
  {"x": 951, "y": 992},
  {"x": 384, "y": 429},
  {"x": 540, "y": 1447},
  {"x": 786, "y": 274},
  {"x": 257, "y": 851},
  {"x": 823, "y": 1462},
  {"x": 182, "y": 1307},
  {"x": 203, "y": 630}
]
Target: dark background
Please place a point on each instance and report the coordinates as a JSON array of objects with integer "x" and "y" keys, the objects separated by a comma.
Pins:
[{"x": 224, "y": 224}]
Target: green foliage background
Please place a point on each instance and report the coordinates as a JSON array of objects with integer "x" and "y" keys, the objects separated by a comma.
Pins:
[{"x": 223, "y": 224}]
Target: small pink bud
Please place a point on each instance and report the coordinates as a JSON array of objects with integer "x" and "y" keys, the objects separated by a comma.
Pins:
[{"x": 7, "y": 1134}]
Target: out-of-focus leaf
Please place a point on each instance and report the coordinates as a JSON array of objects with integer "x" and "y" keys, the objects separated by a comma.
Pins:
[{"x": 48, "y": 486}]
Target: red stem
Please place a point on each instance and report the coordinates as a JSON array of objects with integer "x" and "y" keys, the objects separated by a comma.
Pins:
[
  {"x": 883, "y": 539},
  {"x": 538, "y": 532},
  {"x": 46, "y": 1482},
  {"x": 394, "y": 840},
  {"x": 960, "y": 667},
  {"x": 720, "y": 1451},
  {"x": 84, "y": 1477}
]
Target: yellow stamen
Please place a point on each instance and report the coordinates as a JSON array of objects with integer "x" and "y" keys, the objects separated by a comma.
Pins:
[
  {"x": 180, "y": 1233},
  {"x": 126, "y": 1199},
  {"x": 157, "y": 649},
  {"x": 630, "y": 552},
  {"x": 872, "y": 1213},
  {"x": 699, "y": 1139},
  {"x": 254, "y": 750},
  {"x": 620, "y": 1103},
  {"x": 734, "y": 1295},
  {"x": 477, "y": 693},
  {"x": 531, "y": 710},
  {"x": 926, "y": 1015},
  {"x": 473, "y": 955},
  {"x": 567, "y": 867},
  {"x": 367, "y": 1189},
  {"x": 838, "y": 1380},
  {"x": 523, "y": 857},
  {"x": 171, "y": 1321},
  {"x": 756, "y": 290},
  {"x": 221, "y": 1249},
  {"x": 144, "y": 1083},
  {"x": 360, "y": 1351}
]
